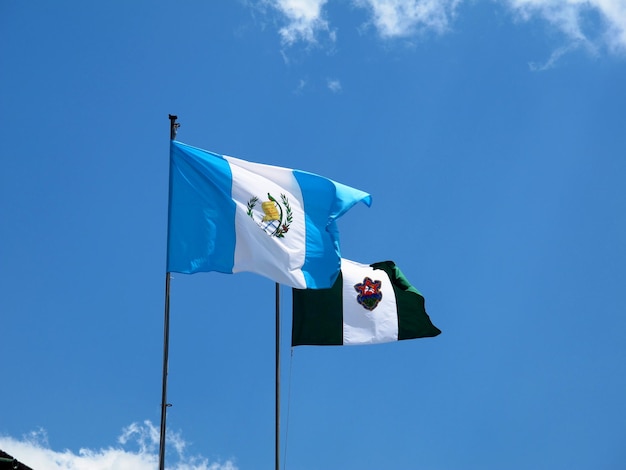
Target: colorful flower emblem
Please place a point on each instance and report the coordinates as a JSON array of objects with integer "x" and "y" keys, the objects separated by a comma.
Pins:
[{"x": 369, "y": 293}]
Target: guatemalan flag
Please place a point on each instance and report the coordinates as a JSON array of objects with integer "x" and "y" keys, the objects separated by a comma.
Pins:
[{"x": 230, "y": 215}]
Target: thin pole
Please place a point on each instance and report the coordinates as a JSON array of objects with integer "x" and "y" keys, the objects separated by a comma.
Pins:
[
  {"x": 166, "y": 340},
  {"x": 166, "y": 336},
  {"x": 277, "y": 435}
]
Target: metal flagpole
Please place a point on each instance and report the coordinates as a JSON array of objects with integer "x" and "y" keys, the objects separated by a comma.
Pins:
[
  {"x": 166, "y": 340},
  {"x": 166, "y": 336},
  {"x": 277, "y": 435}
]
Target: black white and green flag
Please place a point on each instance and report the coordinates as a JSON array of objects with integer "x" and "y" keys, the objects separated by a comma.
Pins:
[{"x": 367, "y": 304}]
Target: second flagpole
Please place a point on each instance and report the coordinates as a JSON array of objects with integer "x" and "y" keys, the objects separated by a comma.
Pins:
[{"x": 277, "y": 403}]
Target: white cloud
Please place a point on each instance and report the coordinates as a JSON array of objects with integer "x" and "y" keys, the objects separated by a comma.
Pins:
[
  {"x": 592, "y": 24},
  {"x": 305, "y": 20},
  {"x": 333, "y": 85},
  {"x": 573, "y": 18},
  {"x": 554, "y": 57},
  {"x": 34, "y": 451},
  {"x": 402, "y": 18},
  {"x": 301, "y": 86}
]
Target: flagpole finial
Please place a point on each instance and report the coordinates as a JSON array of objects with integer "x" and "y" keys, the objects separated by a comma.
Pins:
[{"x": 173, "y": 126}]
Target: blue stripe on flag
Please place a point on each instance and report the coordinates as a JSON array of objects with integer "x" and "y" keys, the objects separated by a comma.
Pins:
[
  {"x": 200, "y": 197},
  {"x": 324, "y": 201}
]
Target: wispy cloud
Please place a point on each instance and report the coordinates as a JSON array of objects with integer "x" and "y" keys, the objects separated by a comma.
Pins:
[
  {"x": 593, "y": 24},
  {"x": 304, "y": 20},
  {"x": 34, "y": 451},
  {"x": 403, "y": 18},
  {"x": 333, "y": 85},
  {"x": 553, "y": 59},
  {"x": 302, "y": 84}
]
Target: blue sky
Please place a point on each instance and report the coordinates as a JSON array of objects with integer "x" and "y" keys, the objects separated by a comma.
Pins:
[{"x": 492, "y": 136}]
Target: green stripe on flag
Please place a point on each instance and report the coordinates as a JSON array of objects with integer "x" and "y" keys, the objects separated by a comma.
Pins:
[
  {"x": 413, "y": 321},
  {"x": 319, "y": 320}
]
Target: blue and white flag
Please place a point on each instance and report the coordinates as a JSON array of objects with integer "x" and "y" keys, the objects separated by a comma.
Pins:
[{"x": 230, "y": 215}]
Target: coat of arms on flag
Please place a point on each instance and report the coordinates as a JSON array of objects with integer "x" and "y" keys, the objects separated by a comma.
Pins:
[
  {"x": 276, "y": 216},
  {"x": 369, "y": 293}
]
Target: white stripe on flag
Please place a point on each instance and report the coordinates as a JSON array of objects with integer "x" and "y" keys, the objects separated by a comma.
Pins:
[
  {"x": 362, "y": 326},
  {"x": 280, "y": 259}
]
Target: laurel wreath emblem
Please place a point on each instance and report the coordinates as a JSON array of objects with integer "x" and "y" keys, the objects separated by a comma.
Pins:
[
  {"x": 251, "y": 203},
  {"x": 285, "y": 218}
]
